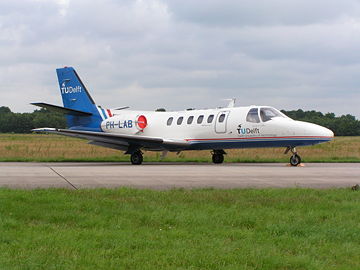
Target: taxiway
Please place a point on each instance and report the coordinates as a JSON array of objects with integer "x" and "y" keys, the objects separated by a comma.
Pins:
[{"x": 177, "y": 175}]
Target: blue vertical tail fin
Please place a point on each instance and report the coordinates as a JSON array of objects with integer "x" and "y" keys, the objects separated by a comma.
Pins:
[{"x": 75, "y": 96}]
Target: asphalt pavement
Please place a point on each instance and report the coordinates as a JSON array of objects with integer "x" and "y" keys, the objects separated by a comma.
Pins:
[{"x": 177, "y": 175}]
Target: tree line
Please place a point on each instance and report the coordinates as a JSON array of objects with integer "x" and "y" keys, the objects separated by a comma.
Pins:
[{"x": 10, "y": 122}]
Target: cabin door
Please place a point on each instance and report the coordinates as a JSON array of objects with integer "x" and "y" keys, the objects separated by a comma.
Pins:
[{"x": 221, "y": 121}]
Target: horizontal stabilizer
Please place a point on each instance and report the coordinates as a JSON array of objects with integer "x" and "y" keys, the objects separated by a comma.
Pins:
[
  {"x": 119, "y": 140},
  {"x": 63, "y": 110},
  {"x": 44, "y": 130}
]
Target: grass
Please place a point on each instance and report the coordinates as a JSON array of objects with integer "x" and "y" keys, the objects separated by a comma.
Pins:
[
  {"x": 41, "y": 147},
  {"x": 180, "y": 229}
]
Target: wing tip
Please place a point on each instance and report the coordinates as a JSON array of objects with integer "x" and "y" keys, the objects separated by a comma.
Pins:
[{"x": 43, "y": 129}]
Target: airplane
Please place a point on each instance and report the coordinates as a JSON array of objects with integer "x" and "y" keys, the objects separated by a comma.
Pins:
[{"x": 175, "y": 131}]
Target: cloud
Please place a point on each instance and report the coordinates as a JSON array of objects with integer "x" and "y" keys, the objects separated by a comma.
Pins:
[
  {"x": 180, "y": 54},
  {"x": 233, "y": 13}
]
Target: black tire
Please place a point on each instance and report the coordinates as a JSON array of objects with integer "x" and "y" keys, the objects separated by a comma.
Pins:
[
  {"x": 295, "y": 160},
  {"x": 218, "y": 158},
  {"x": 136, "y": 158}
]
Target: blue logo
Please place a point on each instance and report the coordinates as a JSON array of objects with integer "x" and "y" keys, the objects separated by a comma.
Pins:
[
  {"x": 247, "y": 131},
  {"x": 70, "y": 89}
]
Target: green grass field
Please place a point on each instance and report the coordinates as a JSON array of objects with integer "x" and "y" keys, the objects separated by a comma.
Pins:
[
  {"x": 180, "y": 229},
  {"x": 42, "y": 147}
]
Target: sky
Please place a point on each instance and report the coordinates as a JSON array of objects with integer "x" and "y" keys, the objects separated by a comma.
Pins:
[{"x": 179, "y": 54}]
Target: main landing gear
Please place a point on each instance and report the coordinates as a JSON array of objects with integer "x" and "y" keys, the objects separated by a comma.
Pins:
[
  {"x": 295, "y": 159},
  {"x": 218, "y": 156},
  {"x": 136, "y": 158}
]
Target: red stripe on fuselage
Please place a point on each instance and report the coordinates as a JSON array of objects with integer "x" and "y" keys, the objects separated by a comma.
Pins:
[
  {"x": 109, "y": 112},
  {"x": 247, "y": 138}
]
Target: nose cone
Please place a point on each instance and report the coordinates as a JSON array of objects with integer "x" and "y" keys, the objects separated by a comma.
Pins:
[
  {"x": 318, "y": 131},
  {"x": 309, "y": 134},
  {"x": 327, "y": 132}
]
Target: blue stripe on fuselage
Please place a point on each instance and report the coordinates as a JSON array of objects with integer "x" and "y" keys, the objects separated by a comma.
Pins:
[{"x": 254, "y": 143}]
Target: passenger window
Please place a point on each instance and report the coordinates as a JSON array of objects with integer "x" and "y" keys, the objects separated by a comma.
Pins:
[
  {"x": 253, "y": 116},
  {"x": 222, "y": 118},
  {"x": 200, "y": 119},
  {"x": 180, "y": 119},
  {"x": 169, "y": 121},
  {"x": 190, "y": 120},
  {"x": 210, "y": 118}
]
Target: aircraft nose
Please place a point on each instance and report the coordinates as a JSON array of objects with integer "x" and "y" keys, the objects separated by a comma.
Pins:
[
  {"x": 316, "y": 130},
  {"x": 324, "y": 132},
  {"x": 330, "y": 133}
]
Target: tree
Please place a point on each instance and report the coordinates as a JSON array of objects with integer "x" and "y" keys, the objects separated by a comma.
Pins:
[
  {"x": 4, "y": 109},
  {"x": 25, "y": 122}
]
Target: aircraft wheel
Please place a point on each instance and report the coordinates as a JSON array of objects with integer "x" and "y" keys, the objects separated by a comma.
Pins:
[
  {"x": 218, "y": 158},
  {"x": 295, "y": 160},
  {"x": 136, "y": 158}
]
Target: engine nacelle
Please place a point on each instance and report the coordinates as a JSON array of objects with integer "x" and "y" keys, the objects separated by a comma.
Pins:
[{"x": 126, "y": 124}]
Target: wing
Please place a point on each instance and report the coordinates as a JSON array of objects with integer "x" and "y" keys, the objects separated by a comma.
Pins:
[{"x": 121, "y": 141}]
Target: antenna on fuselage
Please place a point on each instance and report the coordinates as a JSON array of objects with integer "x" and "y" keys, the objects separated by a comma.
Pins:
[
  {"x": 122, "y": 108},
  {"x": 231, "y": 102}
]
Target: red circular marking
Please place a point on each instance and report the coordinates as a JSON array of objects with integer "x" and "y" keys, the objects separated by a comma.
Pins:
[{"x": 142, "y": 122}]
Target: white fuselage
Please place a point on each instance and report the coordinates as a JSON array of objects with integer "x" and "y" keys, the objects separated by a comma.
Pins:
[
  {"x": 222, "y": 128},
  {"x": 215, "y": 129}
]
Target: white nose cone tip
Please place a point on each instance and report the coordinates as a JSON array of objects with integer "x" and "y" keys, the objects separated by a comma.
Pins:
[
  {"x": 327, "y": 133},
  {"x": 314, "y": 130},
  {"x": 323, "y": 132}
]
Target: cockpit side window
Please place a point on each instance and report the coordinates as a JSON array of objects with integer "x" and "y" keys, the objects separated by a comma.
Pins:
[
  {"x": 253, "y": 116},
  {"x": 267, "y": 114}
]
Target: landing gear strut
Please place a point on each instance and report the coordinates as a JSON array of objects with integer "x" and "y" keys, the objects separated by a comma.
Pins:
[
  {"x": 136, "y": 158},
  {"x": 218, "y": 156},
  {"x": 295, "y": 159}
]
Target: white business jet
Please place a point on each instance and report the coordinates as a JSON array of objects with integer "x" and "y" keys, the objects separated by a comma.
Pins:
[{"x": 209, "y": 129}]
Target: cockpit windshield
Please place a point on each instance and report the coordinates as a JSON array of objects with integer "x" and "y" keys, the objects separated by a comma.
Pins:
[{"x": 267, "y": 114}]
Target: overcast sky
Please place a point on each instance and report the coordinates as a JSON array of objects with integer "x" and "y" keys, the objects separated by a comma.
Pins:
[{"x": 179, "y": 54}]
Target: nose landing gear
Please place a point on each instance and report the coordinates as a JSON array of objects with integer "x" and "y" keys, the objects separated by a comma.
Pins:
[
  {"x": 295, "y": 159},
  {"x": 218, "y": 156}
]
